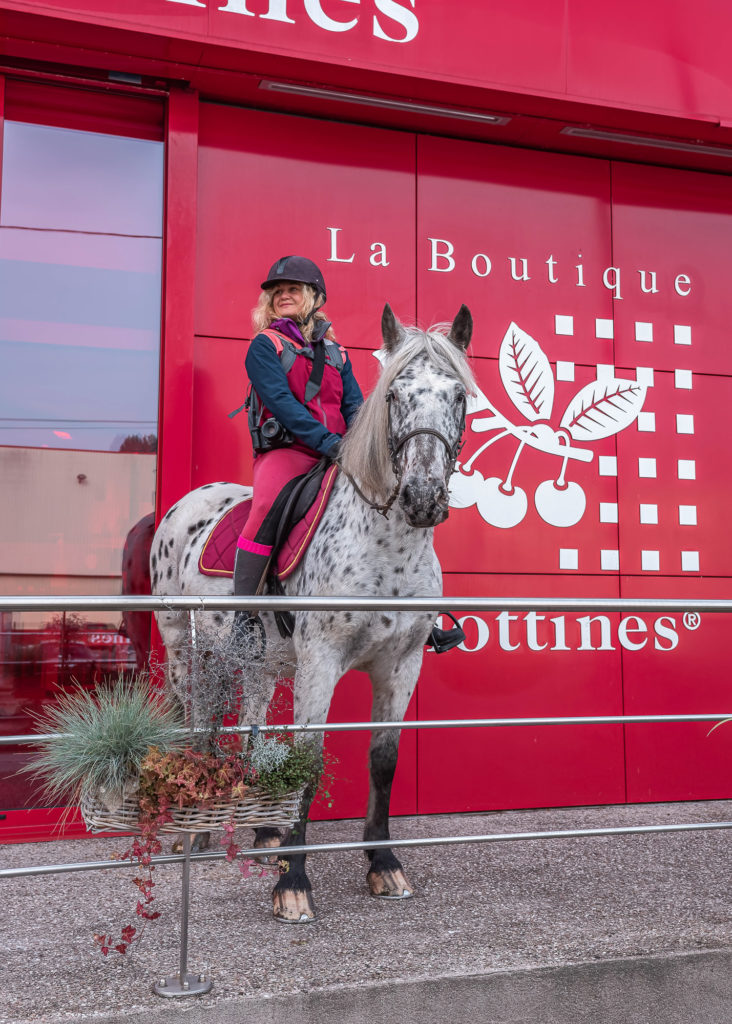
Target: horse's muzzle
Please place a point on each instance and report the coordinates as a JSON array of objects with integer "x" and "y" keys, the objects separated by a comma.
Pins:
[{"x": 424, "y": 504}]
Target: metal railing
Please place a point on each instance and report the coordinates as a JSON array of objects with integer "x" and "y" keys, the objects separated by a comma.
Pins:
[{"x": 193, "y": 604}]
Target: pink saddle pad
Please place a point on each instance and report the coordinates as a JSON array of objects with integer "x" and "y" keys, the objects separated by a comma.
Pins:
[{"x": 219, "y": 551}]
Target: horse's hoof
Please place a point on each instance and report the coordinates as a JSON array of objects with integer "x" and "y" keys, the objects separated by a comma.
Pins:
[
  {"x": 201, "y": 841},
  {"x": 293, "y": 907},
  {"x": 389, "y": 884},
  {"x": 270, "y": 843}
]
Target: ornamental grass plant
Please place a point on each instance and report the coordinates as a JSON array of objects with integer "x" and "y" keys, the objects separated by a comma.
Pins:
[{"x": 102, "y": 738}]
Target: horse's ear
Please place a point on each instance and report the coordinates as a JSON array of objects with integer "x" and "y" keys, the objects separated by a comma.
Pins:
[
  {"x": 391, "y": 332},
  {"x": 462, "y": 328}
]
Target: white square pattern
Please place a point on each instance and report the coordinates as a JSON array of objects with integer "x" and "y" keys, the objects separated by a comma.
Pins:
[
  {"x": 607, "y": 465},
  {"x": 568, "y": 558},
  {"x": 687, "y": 515},
  {"x": 604, "y": 328},
  {"x": 564, "y": 370},
  {"x": 563, "y": 324},
  {"x": 649, "y": 513},
  {"x": 650, "y": 561},
  {"x": 690, "y": 561},
  {"x": 610, "y": 560}
]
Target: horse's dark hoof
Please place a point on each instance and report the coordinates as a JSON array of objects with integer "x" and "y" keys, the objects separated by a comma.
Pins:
[
  {"x": 389, "y": 884},
  {"x": 201, "y": 841},
  {"x": 293, "y": 906}
]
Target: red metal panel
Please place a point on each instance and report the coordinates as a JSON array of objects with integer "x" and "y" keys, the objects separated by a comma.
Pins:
[
  {"x": 503, "y": 675},
  {"x": 272, "y": 185},
  {"x": 89, "y": 111},
  {"x": 176, "y": 413},
  {"x": 665, "y": 54},
  {"x": 675, "y": 225},
  {"x": 481, "y": 203},
  {"x": 658, "y": 56},
  {"x": 686, "y": 672}
]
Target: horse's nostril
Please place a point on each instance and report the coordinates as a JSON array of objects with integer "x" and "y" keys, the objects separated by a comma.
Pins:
[
  {"x": 441, "y": 494},
  {"x": 407, "y": 494}
]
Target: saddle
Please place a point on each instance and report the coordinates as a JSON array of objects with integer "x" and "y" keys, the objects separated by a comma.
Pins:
[{"x": 298, "y": 509}]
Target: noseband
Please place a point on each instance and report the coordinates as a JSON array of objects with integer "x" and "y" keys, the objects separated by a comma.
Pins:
[{"x": 395, "y": 447}]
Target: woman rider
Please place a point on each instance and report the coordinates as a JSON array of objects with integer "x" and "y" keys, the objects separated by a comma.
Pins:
[{"x": 304, "y": 397}]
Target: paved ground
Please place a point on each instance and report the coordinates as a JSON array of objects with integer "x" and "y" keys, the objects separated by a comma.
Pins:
[{"x": 512, "y": 926}]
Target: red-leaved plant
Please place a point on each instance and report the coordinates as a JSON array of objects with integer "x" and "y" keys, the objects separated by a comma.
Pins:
[{"x": 190, "y": 778}]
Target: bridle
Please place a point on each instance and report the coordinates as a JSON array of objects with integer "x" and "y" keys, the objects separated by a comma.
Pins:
[{"x": 395, "y": 447}]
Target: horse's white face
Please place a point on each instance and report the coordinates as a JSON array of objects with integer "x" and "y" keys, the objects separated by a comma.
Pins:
[
  {"x": 421, "y": 399},
  {"x": 426, "y": 421}
]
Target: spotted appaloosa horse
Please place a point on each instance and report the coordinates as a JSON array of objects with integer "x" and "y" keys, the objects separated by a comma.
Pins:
[{"x": 404, "y": 441}]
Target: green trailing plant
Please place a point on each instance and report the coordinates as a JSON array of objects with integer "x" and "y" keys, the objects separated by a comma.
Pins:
[{"x": 102, "y": 740}]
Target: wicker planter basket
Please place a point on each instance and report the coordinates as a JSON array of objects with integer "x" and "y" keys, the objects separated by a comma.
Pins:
[{"x": 253, "y": 810}]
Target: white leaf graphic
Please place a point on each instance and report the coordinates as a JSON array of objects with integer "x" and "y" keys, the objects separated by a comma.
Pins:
[
  {"x": 603, "y": 408},
  {"x": 526, "y": 374}
]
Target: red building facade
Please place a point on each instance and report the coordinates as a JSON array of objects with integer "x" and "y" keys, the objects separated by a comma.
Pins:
[{"x": 561, "y": 169}]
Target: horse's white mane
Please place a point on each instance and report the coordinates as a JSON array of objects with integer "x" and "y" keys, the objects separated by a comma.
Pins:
[{"x": 365, "y": 455}]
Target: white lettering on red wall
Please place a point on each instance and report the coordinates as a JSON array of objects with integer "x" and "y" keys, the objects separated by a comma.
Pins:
[
  {"x": 534, "y": 632},
  {"x": 391, "y": 20},
  {"x": 443, "y": 259}
]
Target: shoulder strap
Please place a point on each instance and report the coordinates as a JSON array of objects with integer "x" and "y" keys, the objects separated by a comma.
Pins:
[
  {"x": 337, "y": 354},
  {"x": 284, "y": 348}
]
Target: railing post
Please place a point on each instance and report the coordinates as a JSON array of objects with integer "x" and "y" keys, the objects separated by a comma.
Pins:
[{"x": 183, "y": 983}]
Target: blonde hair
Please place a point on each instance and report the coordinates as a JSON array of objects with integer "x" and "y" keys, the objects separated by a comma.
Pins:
[{"x": 263, "y": 313}]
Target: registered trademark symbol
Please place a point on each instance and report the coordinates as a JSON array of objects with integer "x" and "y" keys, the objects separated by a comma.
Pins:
[{"x": 692, "y": 620}]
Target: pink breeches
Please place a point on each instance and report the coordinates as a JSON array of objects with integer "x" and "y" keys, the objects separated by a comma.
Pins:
[{"x": 272, "y": 472}]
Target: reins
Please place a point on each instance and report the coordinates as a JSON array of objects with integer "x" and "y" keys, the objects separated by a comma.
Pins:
[{"x": 453, "y": 450}]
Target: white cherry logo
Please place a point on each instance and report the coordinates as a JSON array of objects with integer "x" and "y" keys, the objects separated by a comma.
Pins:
[{"x": 600, "y": 409}]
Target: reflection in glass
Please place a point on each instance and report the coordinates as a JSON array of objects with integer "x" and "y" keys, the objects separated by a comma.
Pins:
[{"x": 80, "y": 309}]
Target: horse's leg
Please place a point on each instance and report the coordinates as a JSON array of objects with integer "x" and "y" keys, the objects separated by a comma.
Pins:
[
  {"x": 292, "y": 896},
  {"x": 392, "y": 689}
]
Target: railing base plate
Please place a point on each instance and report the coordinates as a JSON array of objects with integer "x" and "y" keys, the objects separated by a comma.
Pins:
[{"x": 174, "y": 988}]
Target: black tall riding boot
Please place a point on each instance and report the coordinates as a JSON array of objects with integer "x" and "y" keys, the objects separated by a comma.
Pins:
[{"x": 248, "y": 631}]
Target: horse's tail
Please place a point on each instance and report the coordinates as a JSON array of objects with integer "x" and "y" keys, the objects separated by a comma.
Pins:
[{"x": 165, "y": 579}]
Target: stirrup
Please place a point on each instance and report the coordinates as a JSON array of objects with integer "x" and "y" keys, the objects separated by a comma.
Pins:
[
  {"x": 445, "y": 639},
  {"x": 249, "y": 636}
]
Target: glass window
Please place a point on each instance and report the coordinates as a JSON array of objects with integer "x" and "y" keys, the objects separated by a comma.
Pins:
[{"x": 81, "y": 216}]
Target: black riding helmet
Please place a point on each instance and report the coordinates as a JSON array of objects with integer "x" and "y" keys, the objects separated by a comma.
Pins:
[{"x": 298, "y": 269}]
